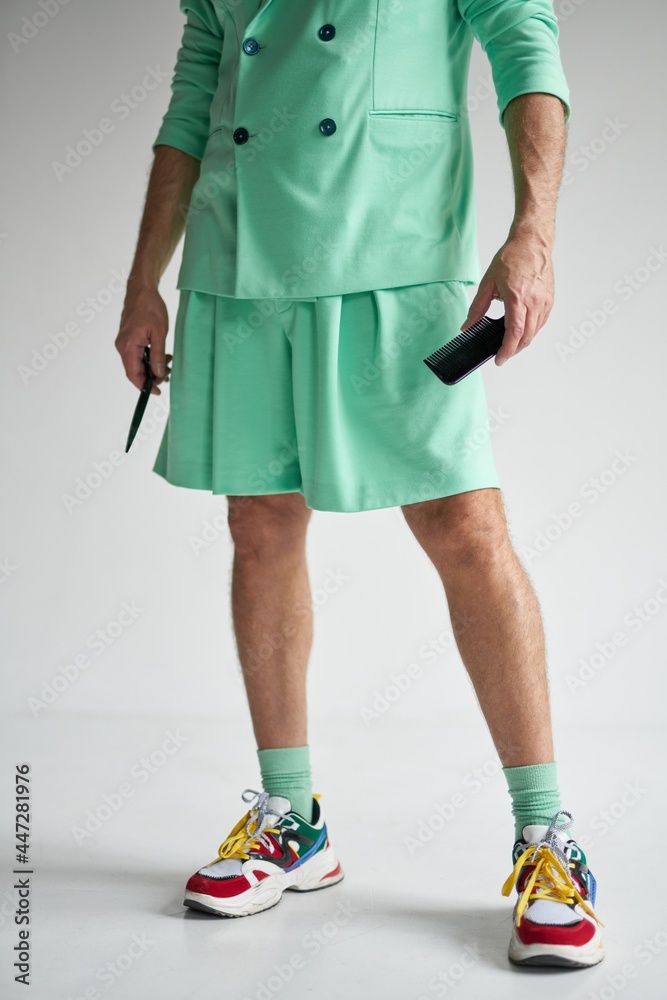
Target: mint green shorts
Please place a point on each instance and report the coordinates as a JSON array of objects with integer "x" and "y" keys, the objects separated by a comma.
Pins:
[{"x": 327, "y": 396}]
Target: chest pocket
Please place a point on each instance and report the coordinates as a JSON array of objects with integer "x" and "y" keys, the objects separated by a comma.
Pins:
[{"x": 412, "y": 71}]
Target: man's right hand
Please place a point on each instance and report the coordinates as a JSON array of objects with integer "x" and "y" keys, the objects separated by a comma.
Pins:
[{"x": 144, "y": 320}]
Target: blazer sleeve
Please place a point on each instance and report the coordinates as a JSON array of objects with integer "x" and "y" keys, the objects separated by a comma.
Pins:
[
  {"x": 520, "y": 38},
  {"x": 185, "y": 124}
]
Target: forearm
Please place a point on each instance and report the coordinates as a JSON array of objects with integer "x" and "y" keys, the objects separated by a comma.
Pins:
[
  {"x": 521, "y": 272},
  {"x": 536, "y": 134},
  {"x": 172, "y": 179}
]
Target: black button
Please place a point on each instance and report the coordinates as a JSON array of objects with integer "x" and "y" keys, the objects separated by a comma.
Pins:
[
  {"x": 326, "y": 32},
  {"x": 240, "y": 135},
  {"x": 327, "y": 126},
  {"x": 251, "y": 45}
]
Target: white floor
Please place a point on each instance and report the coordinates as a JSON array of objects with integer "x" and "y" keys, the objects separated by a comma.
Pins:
[{"x": 108, "y": 914}]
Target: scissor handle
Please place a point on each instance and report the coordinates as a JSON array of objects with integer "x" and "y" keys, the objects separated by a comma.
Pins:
[{"x": 150, "y": 377}]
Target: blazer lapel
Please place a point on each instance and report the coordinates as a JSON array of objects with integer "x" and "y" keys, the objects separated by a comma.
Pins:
[{"x": 257, "y": 17}]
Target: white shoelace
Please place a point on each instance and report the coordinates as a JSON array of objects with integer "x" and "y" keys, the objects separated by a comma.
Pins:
[
  {"x": 555, "y": 844},
  {"x": 259, "y": 813}
]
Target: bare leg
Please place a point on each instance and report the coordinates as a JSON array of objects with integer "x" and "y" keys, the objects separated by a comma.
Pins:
[
  {"x": 495, "y": 618},
  {"x": 272, "y": 612}
]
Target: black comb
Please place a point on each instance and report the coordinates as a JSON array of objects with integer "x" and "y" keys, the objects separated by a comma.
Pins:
[{"x": 468, "y": 350}]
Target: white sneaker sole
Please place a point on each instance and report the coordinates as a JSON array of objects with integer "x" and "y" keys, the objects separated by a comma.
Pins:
[
  {"x": 558, "y": 955},
  {"x": 319, "y": 872}
]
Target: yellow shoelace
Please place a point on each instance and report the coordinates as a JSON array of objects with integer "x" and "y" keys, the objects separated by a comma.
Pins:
[
  {"x": 241, "y": 840},
  {"x": 550, "y": 879},
  {"x": 249, "y": 833}
]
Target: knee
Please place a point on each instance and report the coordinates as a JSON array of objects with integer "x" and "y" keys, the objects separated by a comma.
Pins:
[
  {"x": 261, "y": 525},
  {"x": 480, "y": 543},
  {"x": 465, "y": 530}
]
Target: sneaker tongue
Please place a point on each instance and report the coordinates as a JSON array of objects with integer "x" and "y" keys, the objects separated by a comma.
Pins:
[
  {"x": 278, "y": 805},
  {"x": 532, "y": 834}
]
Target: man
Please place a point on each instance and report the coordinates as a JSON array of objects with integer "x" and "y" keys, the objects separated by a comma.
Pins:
[{"x": 323, "y": 154}]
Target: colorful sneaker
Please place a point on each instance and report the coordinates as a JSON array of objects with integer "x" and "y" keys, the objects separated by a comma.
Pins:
[
  {"x": 270, "y": 849},
  {"x": 554, "y": 922}
]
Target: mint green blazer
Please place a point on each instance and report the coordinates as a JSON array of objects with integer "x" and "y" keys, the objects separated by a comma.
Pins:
[{"x": 334, "y": 138}]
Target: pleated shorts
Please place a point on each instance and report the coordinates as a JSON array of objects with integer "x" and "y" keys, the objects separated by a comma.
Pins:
[{"x": 325, "y": 396}]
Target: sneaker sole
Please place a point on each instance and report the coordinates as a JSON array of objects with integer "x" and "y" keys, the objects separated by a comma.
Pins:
[
  {"x": 319, "y": 872},
  {"x": 562, "y": 956}
]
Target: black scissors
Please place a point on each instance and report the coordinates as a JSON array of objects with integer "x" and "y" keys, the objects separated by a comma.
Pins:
[{"x": 143, "y": 397}]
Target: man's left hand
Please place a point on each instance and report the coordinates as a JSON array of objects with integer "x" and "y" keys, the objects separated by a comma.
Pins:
[{"x": 521, "y": 275}]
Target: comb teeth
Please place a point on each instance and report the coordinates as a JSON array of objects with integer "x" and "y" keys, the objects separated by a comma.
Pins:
[{"x": 468, "y": 350}]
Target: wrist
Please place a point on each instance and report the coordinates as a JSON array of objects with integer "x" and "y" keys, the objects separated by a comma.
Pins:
[
  {"x": 138, "y": 281},
  {"x": 534, "y": 230}
]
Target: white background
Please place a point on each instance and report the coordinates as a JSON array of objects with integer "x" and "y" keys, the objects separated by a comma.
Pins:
[{"x": 68, "y": 569}]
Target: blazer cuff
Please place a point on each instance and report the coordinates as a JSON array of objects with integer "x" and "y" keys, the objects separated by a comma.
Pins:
[
  {"x": 180, "y": 137},
  {"x": 521, "y": 43}
]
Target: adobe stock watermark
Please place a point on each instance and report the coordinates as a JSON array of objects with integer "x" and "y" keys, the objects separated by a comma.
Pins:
[
  {"x": 267, "y": 308},
  {"x": 429, "y": 652},
  {"x": 122, "y": 107},
  {"x": 259, "y": 141},
  {"x": 312, "y": 260},
  {"x": 139, "y": 774},
  {"x": 98, "y": 642},
  {"x": 85, "y": 312},
  {"x": 423, "y": 149},
  {"x": 8, "y": 909},
  {"x": 372, "y": 368},
  {"x": 606, "y": 819},
  {"x": 606, "y": 649},
  {"x": 216, "y": 527},
  {"x": 259, "y": 481},
  {"x": 32, "y": 24},
  {"x": 266, "y": 644},
  {"x": 624, "y": 289},
  {"x": 310, "y": 944},
  {"x": 447, "y": 979},
  {"x": 444, "y": 812},
  {"x": 89, "y": 484},
  {"x": 7, "y": 569},
  {"x": 591, "y": 491},
  {"x": 364, "y": 37},
  {"x": 566, "y": 8},
  {"x": 255, "y": 320},
  {"x": 584, "y": 156},
  {"x": 644, "y": 953},
  {"x": 479, "y": 437},
  {"x": 111, "y": 972},
  {"x": 476, "y": 437},
  {"x": 213, "y": 181},
  {"x": 479, "y": 93},
  {"x": 437, "y": 307}
]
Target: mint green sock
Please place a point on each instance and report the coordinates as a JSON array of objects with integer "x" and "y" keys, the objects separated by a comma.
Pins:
[
  {"x": 535, "y": 795},
  {"x": 286, "y": 771}
]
